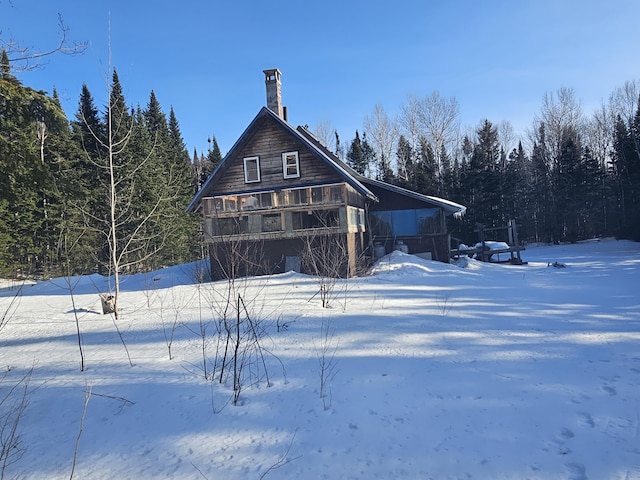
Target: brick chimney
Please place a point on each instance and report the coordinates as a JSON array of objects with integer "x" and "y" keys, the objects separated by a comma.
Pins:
[{"x": 274, "y": 93}]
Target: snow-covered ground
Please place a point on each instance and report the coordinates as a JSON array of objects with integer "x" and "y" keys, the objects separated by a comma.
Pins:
[{"x": 438, "y": 371}]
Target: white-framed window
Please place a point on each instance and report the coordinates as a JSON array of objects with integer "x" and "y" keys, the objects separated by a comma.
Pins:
[
  {"x": 290, "y": 165},
  {"x": 251, "y": 169}
]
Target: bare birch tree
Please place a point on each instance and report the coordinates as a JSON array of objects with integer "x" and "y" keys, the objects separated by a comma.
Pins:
[
  {"x": 410, "y": 125},
  {"x": 560, "y": 112},
  {"x": 439, "y": 120},
  {"x": 506, "y": 136},
  {"x": 382, "y": 132},
  {"x": 624, "y": 100},
  {"x": 325, "y": 132},
  {"x": 599, "y": 133}
]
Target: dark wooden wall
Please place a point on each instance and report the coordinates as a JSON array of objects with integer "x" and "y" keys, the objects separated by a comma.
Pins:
[{"x": 268, "y": 143}]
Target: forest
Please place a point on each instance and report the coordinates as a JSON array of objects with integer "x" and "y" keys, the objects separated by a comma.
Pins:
[
  {"x": 104, "y": 188},
  {"x": 109, "y": 187},
  {"x": 573, "y": 177}
]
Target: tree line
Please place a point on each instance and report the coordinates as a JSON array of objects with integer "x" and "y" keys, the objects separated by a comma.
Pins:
[
  {"x": 73, "y": 192},
  {"x": 573, "y": 177}
]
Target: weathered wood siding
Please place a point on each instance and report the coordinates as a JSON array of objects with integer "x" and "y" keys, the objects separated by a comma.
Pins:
[
  {"x": 245, "y": 258},
  {"x": 269, "y": 143}
]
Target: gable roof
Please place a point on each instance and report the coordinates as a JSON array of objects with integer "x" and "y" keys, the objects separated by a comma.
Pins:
[
  {"x": 449, "y": 207},
  {"x": 305, "y": 138},
  {"x": 353, "y": 178}
]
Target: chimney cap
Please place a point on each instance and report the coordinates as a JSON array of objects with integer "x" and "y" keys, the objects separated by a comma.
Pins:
[{"x": 272, "y": 74}]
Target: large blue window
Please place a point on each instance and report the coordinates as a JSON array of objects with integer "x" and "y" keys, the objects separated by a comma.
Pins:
[{"x": 406, "y": 223}]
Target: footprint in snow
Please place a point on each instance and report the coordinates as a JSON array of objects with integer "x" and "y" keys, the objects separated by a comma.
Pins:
[
  {"x": 587, "y": 419},
  {"x": 566, "y": 433},
  {"x": 558, "y": 443},
  {"x": 580, "y": 398},
  {"x": 577, "y": 471},
  {"x": 610, "y": 390}
]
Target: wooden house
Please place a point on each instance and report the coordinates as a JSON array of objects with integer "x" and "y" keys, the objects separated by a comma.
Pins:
[{"x": 279, "y": 198}]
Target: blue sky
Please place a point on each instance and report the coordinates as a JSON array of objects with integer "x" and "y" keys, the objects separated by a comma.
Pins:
[{"x": 338, "y": 58}]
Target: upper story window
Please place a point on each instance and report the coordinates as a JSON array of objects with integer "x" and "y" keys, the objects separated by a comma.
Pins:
[
  {"x": 251, "y": 169},
  {"x": 290, "y": 165}
]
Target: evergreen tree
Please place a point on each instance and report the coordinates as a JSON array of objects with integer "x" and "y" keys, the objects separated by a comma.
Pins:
[
  {"x": 197, "y": 165},
  {"x": 55, "y": 183},
  {"x": 406, "y": 169},
  {"x": 426, "y": 170},
  {"x": 368, "y": 156},
  {"x": 384, "y": 171},
  {"x": 626, "y": 169},
  {"x": 74, "y": 188},
  {"x": 32, "y": 126},
  {"x": 355, "y": 156},
  {"x": 87, "y": 127},
  {"x": 214, "y": 155},
  {"x": 176, "y": 142},
  {"x": 209, "y": 163},
  {"x": 120, "y": 121},
  {"x": 155, "y": 120},
  {"x": 5, "y": 67},
  {"x": 481, "y": 182},
  {"x": 517, "y": 192},
  {"x": 449, "y": 185},
  {"x": 339, "y": 148},
  {"x": 182, "y": 245},
  {"x": 566, "y": 194},
  {"x": 591, "y": 216}
]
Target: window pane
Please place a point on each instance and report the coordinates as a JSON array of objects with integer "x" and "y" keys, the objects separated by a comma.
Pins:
[
  {"x": 336, "y": 194},
  {"x": 251, "y": 169},
  {"x": 290, "y": 165},
  {"x": 266, "y": 200},
  {"x": 316, "y": 194}
]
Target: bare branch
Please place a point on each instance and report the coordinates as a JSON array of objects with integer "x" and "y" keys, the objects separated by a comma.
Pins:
[
  {"x": 26, "y": 56},
  {"x": 282, "y": 459},
  {"x": 87, "y": 397}
]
